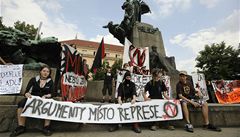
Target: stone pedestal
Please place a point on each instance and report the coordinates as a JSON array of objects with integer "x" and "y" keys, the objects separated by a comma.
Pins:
[
  {"x": 94, "y": 91},
  {"x": 145, "y": 35}
]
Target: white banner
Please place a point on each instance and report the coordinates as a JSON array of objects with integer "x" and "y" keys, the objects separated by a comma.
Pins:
[
  {"x": 70, "y": 78},
  {"x": 154, "y": 110},
  {"x": 136, "y": 56},
  {"x": 200, "y": 84},
  {"x": 10, "y": 79},
  {"x": 120, "y": 75},
  {"x": 139, "y": 80}
]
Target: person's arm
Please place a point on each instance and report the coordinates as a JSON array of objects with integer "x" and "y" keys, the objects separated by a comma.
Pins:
[
  {"x": 120, "y": 92},
  {"x": 134, "y": 94},
  {"x": 165, "y": 95},
  {"x": 146, "y": 98},
  {"x": 134, "y": 99},
  {"x": 120, "y": 100},
  {"x": 146, "y": 88},
  {"x": 51, "y": 92},
  {"x": 27, "y": 94}
]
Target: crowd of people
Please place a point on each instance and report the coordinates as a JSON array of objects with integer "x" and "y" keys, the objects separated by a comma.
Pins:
[{"x": 42, "y": 85}]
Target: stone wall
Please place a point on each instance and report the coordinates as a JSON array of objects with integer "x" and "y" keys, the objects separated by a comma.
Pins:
[
  {"x": 145, "y": 35},
  {"x": 94, "y": 91}
]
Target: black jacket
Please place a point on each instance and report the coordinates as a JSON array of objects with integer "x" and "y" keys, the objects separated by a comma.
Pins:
[
  {"x": 127, "y": 90},
  {"x": 34, "y": 87}
]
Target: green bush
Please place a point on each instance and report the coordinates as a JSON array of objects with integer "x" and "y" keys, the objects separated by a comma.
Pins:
[{"x": 100, "y": 74}]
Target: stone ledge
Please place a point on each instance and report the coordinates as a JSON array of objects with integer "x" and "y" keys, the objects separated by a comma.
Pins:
[{"x": 220, "y": 115}]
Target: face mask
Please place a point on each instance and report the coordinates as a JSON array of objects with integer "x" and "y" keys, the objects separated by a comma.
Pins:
[{"x": 127, "y": 81}]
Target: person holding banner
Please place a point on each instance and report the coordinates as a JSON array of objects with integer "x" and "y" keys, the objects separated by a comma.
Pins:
[
  {"x": 188, "y": 96},
  {"x": 41, "y": 85},
  {"x": 156, "y": 90},
  {"x": 127, "y": 93}
]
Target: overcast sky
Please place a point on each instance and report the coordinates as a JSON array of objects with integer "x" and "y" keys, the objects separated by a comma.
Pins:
[{"x": 186, "y": 25}]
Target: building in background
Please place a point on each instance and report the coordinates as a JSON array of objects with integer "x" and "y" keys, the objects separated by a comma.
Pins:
[{"x": 88, "y": 50}]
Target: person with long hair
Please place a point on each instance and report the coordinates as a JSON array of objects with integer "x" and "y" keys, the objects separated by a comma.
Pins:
[
  {"x": 156, "y": 90},
  {"x": 42, "y": 86}
]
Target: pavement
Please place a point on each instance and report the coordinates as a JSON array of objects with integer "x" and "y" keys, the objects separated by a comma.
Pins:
[{"x": 127, "y": 132}]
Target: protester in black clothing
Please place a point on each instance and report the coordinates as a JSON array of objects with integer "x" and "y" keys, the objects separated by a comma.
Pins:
[
  {"x": 189, "y": 96},
  {"x": 127, "y": 93},
  {"x": 42, "y": 86},
  {"x": 107, "y": 86},
  {"x": 156, "y": 89}
]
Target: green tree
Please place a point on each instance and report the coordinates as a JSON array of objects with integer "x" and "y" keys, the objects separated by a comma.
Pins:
[
  {"x": 100, "y": 74},
  {"x": 219, "y": 61},
  {"x": 27, "y": 28},
  {"x": 117, "y": 65}
]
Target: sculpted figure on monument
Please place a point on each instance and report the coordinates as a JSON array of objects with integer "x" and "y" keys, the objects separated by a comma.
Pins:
[
  {"x": 116, "y": 30},
  {"x": 133, "y": 11},
  {"x": 16, "y": 47},
  {"x": 155, "y": 60}
]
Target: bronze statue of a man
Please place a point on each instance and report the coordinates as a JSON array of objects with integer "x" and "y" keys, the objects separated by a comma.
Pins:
[{"x": 133, "y": 11}]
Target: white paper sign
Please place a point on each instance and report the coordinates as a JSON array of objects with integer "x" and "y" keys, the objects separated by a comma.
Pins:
[
  {"x": 154, "y": 110},
  {"x": 10, "y": 79},
  {"x": 136, "y": 56},
  {"x": 166, "y": 80},
  {"x": 139, "y": 80},
  {"x": 200, "y": 83}
]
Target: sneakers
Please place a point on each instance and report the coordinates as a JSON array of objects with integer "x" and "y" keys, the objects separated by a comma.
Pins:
[
  {"x": 110, "y": 101},
  {"x": 212, "y": 127},
  {"x": 189, "y": 127},
  {"x": 153, "y": 128},
  {"x": 46, "y": 131},
  {"x": 137, "y": 130},
  {"x": 19, "y": 130},
  {"x": 102, "y": 101},
  {"x": 113, "y": 128},
  {"x": 170, "y": 128}
]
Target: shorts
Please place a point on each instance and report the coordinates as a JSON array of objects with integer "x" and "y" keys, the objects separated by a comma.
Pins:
[{"x": 200, "y": 101}]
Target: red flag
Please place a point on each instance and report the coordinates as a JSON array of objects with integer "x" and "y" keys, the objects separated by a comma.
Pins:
[{"x": 97, "y": 63}]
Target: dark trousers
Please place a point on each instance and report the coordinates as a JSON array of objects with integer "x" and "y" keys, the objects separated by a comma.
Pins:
[{"x": 105, "y": 88}]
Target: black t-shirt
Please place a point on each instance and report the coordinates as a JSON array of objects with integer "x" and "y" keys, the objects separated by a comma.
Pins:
[
  {"x": 126, "y": 90},
  {"x": 108, "y": 78},
  {"x": 155, "y": 89},
  {"x": 187, "y": 90}
]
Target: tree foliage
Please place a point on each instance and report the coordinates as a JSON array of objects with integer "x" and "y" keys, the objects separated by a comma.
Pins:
[
  {"x": 100, "y": 74},
  {"x": 219, "y": 61},
  {"x": 117, "y": 65},
  {"x": 27, "y": 28}
]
